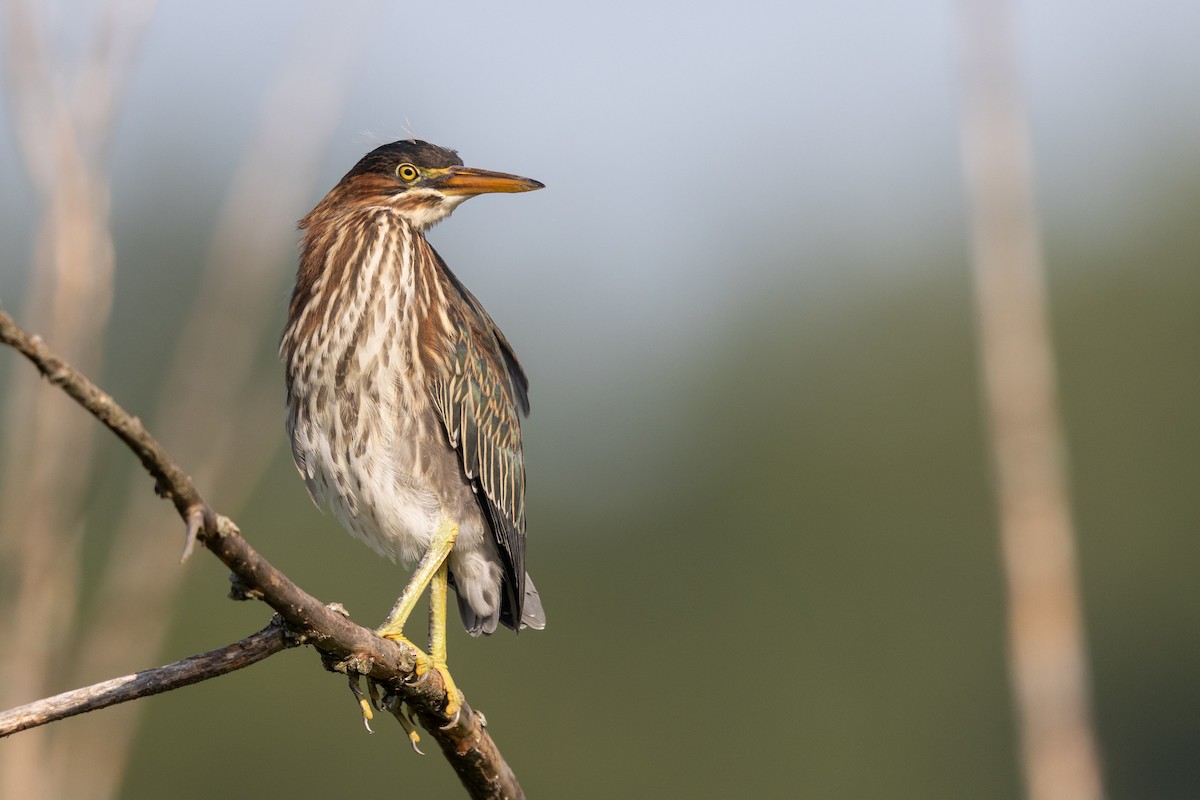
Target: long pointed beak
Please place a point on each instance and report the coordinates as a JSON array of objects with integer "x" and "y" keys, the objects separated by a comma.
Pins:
[{"x": 470, "y": 181}]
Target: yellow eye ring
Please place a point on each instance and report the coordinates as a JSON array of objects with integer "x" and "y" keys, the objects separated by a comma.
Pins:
[{"x": 407, "y": 172}]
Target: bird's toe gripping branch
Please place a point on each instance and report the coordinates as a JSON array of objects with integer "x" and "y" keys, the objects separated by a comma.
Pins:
[{"x": 427, "y": 662}]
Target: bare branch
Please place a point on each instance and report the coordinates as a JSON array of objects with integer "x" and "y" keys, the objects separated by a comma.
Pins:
[
  {"x": 267, "y": 642},
  {"x": 172, "y": 482},
  {"x": 346, "y": 646}
]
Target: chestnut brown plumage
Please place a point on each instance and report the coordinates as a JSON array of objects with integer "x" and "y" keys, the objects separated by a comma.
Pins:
[{"x": 403, "y": 396}]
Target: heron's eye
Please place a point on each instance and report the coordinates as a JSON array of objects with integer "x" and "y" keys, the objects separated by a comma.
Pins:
[{"x": 407, "y": 172}]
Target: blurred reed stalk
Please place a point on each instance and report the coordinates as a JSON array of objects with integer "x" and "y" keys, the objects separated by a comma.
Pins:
[
  {"x": 217, "y": 413},
  {"x": 221, "y": 416},
  {"x": 64, "y": 110},
  {"x": 1047, "y": 651}
]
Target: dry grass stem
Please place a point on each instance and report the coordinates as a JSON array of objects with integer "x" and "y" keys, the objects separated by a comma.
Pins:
[
  {"x": 213, "y": 375},
  {"x": 1047, "y": 651},
  {"x": 63, "y": 119}
]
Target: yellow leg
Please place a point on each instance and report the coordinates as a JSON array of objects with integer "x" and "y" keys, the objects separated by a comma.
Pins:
[
  {"x": 432, "y": 572},
  {"x": 439, "y": 549},
  {"x": 437, "y": 636}
]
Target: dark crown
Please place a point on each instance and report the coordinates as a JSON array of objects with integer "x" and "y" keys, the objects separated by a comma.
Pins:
[{"x": 386, "y": 158}]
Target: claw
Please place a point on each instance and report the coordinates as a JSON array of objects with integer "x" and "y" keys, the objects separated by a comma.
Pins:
[
  {"x": 364, "y": 704},
  {"x": 395, "y": 705}
]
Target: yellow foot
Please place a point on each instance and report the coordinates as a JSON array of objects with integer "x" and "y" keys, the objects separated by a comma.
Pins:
[
  {"x": 453, "y": 696},
  {"x": 425, "y": 662}
]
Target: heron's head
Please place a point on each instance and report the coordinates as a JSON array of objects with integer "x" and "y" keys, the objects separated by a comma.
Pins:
[{"x": 422, "y": 181}]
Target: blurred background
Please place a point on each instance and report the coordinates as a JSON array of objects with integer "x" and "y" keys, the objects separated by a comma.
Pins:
[{"x": 759, "y": 504}]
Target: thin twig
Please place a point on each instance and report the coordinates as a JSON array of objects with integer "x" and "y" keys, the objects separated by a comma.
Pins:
[
  {"x": 1047, "y": 650},
  {"x": 349, "y": 647},
  {"x": 267, "y": 642}
]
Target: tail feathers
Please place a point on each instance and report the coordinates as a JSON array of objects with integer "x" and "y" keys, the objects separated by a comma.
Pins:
[{"x": 532, "y": 614}]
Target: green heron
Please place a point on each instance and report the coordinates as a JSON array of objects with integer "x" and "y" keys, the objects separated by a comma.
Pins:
[{"x": 404, "y": 398}]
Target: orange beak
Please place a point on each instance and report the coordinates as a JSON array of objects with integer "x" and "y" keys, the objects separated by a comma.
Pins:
[{"x": 469, "y": 181}]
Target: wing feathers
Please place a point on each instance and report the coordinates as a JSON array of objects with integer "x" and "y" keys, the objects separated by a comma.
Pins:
[{"x": 479, "y": 399}]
